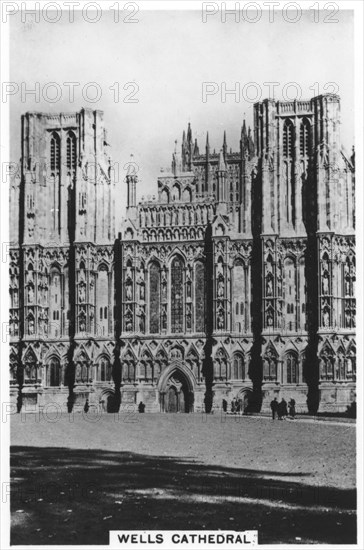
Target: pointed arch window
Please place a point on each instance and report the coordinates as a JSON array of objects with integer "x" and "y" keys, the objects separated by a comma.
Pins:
[
  {"x": 104, "y": 370},
  {"x": 71, "y": 151},
  {"x": 291, "y": 368},
  {"x": 54, "y": 372},
  {"x": 305, "y": 137},
  {"x": 238, "y": 367},
  {"x": 200, "y": 297},
  {"x": 55, "y": 156},
  {"x": 154, "y": 298},
  {"x": 288, "y": 139},
  {"x": 177, "y": 295}
]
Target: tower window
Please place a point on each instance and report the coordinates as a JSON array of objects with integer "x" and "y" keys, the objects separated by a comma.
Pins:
[
  {"x": 305, "y": 137},
  {"x": 288, "y": 139},
  {"x": 71, "y": 151},
  {"x": 55, "y": 152}
]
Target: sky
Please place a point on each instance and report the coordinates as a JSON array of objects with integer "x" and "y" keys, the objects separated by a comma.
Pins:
[{"x": 165, "y": 58}]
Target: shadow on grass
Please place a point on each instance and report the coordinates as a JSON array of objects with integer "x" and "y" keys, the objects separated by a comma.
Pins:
[{"x": 71, "y": 496}]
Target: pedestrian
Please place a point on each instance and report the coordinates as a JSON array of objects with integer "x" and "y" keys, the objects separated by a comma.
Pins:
[
  {"x": 86, "y": 407},
  {"x": 240, "y": 405},
  {"x": 292, "y": 408},
  {"x": 274, "y": 407},
  {"x": 233, "y": 406},
  {"x": 283, "y": 405},
  {"x": 224, "y": 405},
  {"x": 141, "y": 407}
]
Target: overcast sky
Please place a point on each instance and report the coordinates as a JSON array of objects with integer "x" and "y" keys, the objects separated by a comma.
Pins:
[{"x": 169, "y": 55}]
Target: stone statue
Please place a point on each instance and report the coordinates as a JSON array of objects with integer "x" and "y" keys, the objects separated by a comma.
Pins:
[
  {"x": 326, "y": 318},
  {"x": 128, "y": 290},
  {"x": 325, "y": 285},
  {"x": 220, "y": 319},
  {"x": 30, "y": 295},
  {"x": 164, "y": 318},
  {"x": 82, "y": 324},
  {"x": 82, "y": 294},
  {"x": 269, "y": 287}
]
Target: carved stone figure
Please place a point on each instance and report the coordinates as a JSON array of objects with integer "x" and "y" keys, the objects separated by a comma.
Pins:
[
  {"x": 220, "y": 319},
  {"x": 128, "y": 290},
  {"x": 325, "y": 284},
  {"x": 269, "y": 287},
  {"x": 82, "y": 294},
  {"x": 326, "y": 318},
  {"x": 30, "y": 295}
]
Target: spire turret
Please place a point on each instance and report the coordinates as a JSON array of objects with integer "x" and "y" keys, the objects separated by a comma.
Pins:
[
  {"x": 222, "y": 164},
  {"x": 196, "y": 150},
  {"x": 224, "y": 145}
]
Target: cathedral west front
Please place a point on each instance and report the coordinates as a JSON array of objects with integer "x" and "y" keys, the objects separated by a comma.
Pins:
[{"x": 235, "y": 280}]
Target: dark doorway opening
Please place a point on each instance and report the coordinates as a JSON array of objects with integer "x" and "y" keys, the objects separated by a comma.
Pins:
[{"x": 178, "y": 397}]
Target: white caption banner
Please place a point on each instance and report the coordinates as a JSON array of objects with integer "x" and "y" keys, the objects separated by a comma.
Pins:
[{"x": 188, "y": 540}]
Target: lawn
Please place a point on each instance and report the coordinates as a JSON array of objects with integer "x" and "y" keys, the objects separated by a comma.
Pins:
[{"x": 75, "y": 479}]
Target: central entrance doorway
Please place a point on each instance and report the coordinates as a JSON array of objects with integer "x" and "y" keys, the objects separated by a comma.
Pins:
[{"x": 177, "y": 396}]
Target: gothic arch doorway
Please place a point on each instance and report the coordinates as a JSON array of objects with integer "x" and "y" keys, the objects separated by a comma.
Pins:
[
  {"x": 245, "y": 394},
  {"x": 177, "y": 393},
  {"x": 107, "y": 401}
]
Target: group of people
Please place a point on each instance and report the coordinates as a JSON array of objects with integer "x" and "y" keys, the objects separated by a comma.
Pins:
[
  {"x": 236, "y": 406},
  {"x": 281, "y": 410}
]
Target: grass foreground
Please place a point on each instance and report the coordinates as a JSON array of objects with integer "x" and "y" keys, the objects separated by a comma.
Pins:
[{"x": 76, "y": 477}]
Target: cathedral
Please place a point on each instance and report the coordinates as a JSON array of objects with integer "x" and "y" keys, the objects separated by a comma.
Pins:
[{"x": 236, "y": 280}]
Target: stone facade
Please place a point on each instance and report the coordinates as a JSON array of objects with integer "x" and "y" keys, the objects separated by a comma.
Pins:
[{"x": 241, "y": 271}]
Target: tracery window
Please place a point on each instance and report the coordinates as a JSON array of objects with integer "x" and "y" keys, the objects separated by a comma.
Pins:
[
  {"x": 288, "y": 139},
  {"x": 71, "y": 151},
  {"x": 154, "y": 298},
  {"x": 200, "y": 296},
  {"x": 55, "y": 158},
  {"x": 177, "y": 295},
  {"x": 54, "y": 372},
  {"x": 220, "y": 366},
  {"x": 291, "y": 368},
  {"x": 238, "y": 367},
  {"x": 305, "y": 137},
  {"x": 104, "y": 370}
]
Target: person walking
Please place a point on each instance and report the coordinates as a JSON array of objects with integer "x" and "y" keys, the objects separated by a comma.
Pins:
[
  {"x": 274, "y": 407},
  {"x": 86, "y": 407},
  {"x": 283, "y": 407},
  {"x": 224, "y": 405},
  {"x": 292, "y": 408}
]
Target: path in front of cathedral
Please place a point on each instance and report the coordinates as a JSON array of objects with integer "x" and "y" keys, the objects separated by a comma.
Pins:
[{"x": 77, "y": 478}]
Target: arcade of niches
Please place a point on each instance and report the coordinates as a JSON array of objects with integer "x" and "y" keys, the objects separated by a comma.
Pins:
[{"x": 243, "y": 263}]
